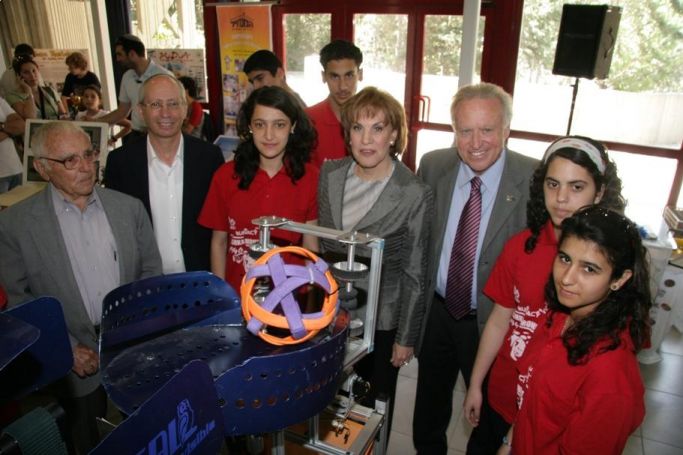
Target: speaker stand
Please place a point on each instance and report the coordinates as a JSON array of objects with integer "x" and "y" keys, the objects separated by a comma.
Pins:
[{"x": 571, "y": 110}]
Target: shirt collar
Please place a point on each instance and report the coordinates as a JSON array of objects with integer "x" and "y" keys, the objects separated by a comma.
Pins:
[
  {"x": 179, "y": 156},
  {"x": 62, "y": 204},
  {"x": 547, "y": 234},
  {"x": 489, "y": 178}
]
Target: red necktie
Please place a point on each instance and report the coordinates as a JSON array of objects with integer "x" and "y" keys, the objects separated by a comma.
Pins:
[{"x": 461, "y": 266}]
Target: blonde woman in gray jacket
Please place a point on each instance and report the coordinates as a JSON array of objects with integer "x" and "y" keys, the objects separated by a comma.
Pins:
[{"x": 371, "y": 191}]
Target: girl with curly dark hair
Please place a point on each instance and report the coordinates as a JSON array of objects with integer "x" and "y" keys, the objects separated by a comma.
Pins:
[
  {"x": 579, "y": 386},
  {"x": 270, "y": 175},
  {"x": 574, "y": 172}
]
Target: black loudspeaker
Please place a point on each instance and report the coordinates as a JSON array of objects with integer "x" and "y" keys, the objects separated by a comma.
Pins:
[{"x": 588, "y": 35}]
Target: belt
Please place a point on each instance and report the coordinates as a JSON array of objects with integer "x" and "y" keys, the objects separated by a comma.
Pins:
[{"x": 469, "y": 316}]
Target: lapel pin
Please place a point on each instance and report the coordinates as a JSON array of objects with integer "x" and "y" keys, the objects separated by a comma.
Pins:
[{"x": 510, "y": 198}]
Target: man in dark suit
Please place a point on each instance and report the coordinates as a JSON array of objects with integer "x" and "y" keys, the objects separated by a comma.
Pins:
[
  {"x": 481, "y": 117},
  {"x": 170, "y": 173},
  {"x": 76, "y": 242}
]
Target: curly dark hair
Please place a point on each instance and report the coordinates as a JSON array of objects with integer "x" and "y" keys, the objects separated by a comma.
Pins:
[
  {"x": 626, "y": 308},
  {"x": 299, "y": 145},
  {"x": 537, "y": 214}
]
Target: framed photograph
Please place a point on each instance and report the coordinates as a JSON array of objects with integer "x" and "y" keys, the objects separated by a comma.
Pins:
[{"x": 98, "y": 132}]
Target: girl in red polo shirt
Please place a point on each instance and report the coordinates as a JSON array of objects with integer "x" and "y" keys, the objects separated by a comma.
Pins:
[
  {"x": 579, "y": 386},
  {"x": 575, "y": 172},
  {"x": 270, "y": 175}
]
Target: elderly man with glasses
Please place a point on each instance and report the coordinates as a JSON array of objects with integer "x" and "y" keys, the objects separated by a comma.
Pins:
[
  {"x": 76, "y": 242},
  {"x": 170, "y": 172}
]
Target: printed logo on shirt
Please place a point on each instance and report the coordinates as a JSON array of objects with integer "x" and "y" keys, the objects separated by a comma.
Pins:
[
  {"x": 523, "y": 385},
  {"x": 522, "y": 326},
  {"x": 240, "y": 240}
]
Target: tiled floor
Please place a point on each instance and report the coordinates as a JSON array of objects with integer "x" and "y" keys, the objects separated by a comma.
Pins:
[{"x": 660, "y": 434}]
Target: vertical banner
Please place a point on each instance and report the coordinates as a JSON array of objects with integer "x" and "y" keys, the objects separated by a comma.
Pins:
[
  {"x": 242, "y": 30},
  {"x": 183, "y": 62}
]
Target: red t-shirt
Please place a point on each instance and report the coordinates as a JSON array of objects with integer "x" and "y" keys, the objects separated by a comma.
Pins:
[
  {"x": 3, "y": 298},
  {"x": 518, "y": 281},
  {"x": 331, "y": 144},
  {"x": 576, "y": 409},
  {"x": 195, "y": 115},
  {"x": 230, "y": 209}
]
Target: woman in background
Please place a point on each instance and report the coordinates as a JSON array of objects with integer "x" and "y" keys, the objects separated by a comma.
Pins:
[
  {"x": 33, "y": 100},
  {"x": 371, "y": 191},
  {"x": 77, "y": 79}
]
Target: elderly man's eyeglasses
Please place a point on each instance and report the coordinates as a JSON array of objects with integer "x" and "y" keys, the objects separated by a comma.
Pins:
[
  {"x": 157, "y": 105},
  {"x": 72, "y": 161}
]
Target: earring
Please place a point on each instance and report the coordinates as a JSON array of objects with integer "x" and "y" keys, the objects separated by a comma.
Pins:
[
  {"x": 391, "y": 143},
  {"x": 250, "y": 131},
  {"x": 292, "y": 132},
  {"x": 614, "y": 287}
]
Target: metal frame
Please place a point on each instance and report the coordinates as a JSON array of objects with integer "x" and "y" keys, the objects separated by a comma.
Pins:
[{"x": 356, "y": 348}]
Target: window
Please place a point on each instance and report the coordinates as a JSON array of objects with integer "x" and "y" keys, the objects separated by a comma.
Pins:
[
  {"x": 383, "y": 40},
  {"x": 168, "y": 24},
  {"x": 305, "y": 35},
  {"x": 442, "y": 41},
  {"x": 640, "y": 103}
]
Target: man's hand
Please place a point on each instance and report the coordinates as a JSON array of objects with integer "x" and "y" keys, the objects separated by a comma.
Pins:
[{"x": 86, "y": 361}]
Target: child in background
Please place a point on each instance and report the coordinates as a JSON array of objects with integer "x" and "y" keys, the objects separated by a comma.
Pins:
[
  {"x": 91, "y": 99},
  {"x": 195, "y": 114}
]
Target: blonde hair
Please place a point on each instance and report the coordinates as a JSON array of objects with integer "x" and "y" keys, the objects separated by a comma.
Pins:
[
  {"x": 484, "y": 90},
  {"x": 368, "y": 102}
]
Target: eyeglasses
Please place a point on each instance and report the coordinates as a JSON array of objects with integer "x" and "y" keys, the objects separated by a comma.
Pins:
[
  {"x": 72, "y": 161},
  {"x": 157, "y": 105}
]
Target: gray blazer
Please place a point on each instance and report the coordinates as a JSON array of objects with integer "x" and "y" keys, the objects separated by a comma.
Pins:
[
  {"x": 439, "y": 170},
  {"x": 34, "y": 261},
  {"x": 401, "y": 215}
]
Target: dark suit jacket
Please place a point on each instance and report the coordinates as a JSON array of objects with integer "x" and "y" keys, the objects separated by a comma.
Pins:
[
  {"x": 126, "y": 171},
  {"x": 34, "y": 261},
  {"x": 439, "y": 170},
  {"x": 401, "y": 216}
]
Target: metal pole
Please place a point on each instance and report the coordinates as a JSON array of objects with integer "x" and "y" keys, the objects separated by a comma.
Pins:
[{"x": 571, "y": 110}]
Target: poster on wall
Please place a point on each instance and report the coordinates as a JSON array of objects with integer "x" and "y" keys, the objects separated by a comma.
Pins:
[
  {"x": 183, "y": 62},
  {"x": 52, "y": 65},
  {"x": 242, "y": 30}
]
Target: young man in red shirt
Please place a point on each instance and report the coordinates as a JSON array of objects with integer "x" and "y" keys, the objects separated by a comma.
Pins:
[{"x": 341, "y": 61}]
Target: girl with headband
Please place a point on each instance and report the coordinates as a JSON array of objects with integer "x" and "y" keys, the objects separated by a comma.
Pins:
[
  {"x": 574, "y": 172},
  {"x": 579, "y": 385}
]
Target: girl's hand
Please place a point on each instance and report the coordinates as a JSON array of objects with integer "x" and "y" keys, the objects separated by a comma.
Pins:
[{"x": 472, "y": 405}]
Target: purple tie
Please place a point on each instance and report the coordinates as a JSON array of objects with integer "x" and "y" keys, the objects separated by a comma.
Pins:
[{"x": 461, "y": 266}]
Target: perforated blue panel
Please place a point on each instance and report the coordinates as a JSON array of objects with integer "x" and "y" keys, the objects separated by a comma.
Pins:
[
  {"x": 47, "y": 359},
  {"x": 15, "y": 336},
  {"x": 261, "y": 387}
]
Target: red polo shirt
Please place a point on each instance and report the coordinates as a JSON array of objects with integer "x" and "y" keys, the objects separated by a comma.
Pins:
[
  {"x": 230, "y": 209},
  {"x": 331, "y": 144},
  {"x": 576, "y": 409},
  {"x": 518, "y": 281}
]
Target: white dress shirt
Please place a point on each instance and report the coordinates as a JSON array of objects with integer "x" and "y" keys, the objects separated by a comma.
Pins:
[{"x": 166, "y": 202}]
